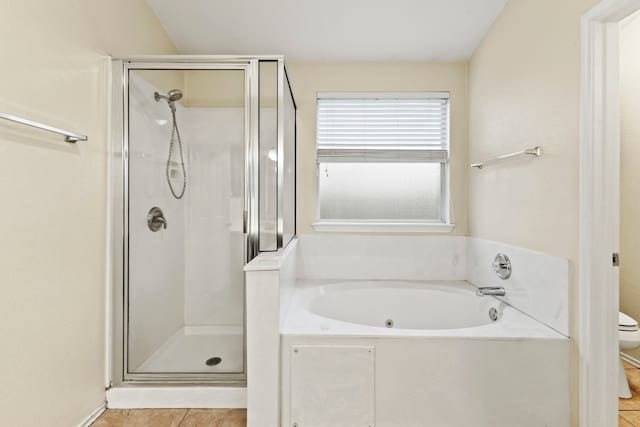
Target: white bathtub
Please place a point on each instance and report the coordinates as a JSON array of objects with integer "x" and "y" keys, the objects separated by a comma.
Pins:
[
  {"x": 444, "y": 362},
  {"x": 437, "y": 309}
]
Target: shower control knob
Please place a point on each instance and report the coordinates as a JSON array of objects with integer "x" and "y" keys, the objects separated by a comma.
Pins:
[
  {"x": 156, "y": 219},
  {"x": 502, "y": 266}
]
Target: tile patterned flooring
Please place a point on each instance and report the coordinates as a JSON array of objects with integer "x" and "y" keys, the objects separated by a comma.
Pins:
[
  {"x": 629, "y": 409},
  {"x": 173, "y": 418},
  {"x": 629, "y": 413}
]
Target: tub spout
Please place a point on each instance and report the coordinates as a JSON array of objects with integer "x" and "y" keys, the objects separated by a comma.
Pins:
[{"x": 497, "y": 291}]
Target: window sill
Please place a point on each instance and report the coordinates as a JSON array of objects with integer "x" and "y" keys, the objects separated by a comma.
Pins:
[{"x": 383, "y": 227}]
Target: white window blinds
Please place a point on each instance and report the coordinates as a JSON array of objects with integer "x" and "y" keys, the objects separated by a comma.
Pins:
[{"x": 383, "y": 127}]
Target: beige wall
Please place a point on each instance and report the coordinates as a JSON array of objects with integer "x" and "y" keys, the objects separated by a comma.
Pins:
[
  {"x": 220, "y": 88},
  {"x": 524, "y": 91},
  {"x": 309, "y": 78},
  {"x": 52, "y": 222},
  {"x": 165, "y": 80},
  {"x": 629, "y": 172}
]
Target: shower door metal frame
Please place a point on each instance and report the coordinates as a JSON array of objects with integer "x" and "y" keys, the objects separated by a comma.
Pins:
[{"x": 119, "y": 196}]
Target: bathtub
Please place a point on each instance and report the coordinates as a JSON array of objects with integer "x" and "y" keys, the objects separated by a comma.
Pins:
[
  {"x": 403, "y": 354},
  {"x": 404, "y": 308}
]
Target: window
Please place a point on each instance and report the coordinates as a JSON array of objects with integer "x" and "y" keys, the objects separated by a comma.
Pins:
[{"x": 383, "y": 161}]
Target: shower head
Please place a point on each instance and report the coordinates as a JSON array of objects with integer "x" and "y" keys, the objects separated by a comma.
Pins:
[{"x": 172, "y": 96}]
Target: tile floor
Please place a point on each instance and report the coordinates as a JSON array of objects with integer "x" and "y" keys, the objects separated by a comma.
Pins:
[
  {"x": 629, "y": 409},
  {"x": 173, "y": 418},
  {"x": 629, "y": 413}
]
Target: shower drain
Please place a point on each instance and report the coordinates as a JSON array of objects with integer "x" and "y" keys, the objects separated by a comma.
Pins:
[{"x": 213, "y": 361}]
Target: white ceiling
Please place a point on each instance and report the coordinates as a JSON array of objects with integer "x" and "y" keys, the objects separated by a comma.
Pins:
[{"x": 358, "y": 30}]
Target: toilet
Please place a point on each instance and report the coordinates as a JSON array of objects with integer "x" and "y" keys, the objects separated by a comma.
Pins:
[{"x": 629, "y": 340}]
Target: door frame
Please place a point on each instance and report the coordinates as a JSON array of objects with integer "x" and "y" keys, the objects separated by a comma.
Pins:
[
  {"x": 599, "y": 152},
  {"x": 119, "y": 198}
]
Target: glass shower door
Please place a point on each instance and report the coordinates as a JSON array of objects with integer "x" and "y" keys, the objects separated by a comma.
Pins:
[{"x": 185, "y": 204}]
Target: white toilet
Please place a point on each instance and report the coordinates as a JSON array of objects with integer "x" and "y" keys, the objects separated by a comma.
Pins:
[{"x": 629, "y": 340}]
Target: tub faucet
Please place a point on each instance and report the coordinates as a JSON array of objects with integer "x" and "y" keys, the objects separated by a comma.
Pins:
[{"x": 491, "y": 290}]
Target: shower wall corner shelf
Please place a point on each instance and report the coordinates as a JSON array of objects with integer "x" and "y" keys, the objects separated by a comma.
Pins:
[
  {"x": 68, "y": 136},
  {"x": 535, "y": 151}
]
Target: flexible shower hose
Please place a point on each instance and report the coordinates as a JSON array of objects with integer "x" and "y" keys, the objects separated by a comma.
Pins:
[{"x": 175, "y": 135}]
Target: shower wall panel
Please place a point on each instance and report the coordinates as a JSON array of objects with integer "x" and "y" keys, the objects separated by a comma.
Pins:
[
  {"x": 289, "y": 164},
  {"x": 214, "y": 286},
  {"x": 156, "y": 302},
  {"x": 268, "y": 178}
]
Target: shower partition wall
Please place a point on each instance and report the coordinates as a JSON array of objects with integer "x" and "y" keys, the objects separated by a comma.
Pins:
[{"x": 203, "y": 180}]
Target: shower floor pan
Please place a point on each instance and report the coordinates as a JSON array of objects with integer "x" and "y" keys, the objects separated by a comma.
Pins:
[{"x": 199, "y": 349}]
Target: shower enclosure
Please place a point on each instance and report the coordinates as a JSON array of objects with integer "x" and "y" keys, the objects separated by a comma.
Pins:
[{"x": 203, "y": 180}]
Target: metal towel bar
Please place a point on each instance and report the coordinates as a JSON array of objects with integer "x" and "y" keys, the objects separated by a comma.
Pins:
[
  {"x": 68, "y": 136},
  {"x": 535, "y": 151}
]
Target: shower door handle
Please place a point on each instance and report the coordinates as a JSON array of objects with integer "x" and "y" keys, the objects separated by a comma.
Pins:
[{"x": 244, "y": 222}]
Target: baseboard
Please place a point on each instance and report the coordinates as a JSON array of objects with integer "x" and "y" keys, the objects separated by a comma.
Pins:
[
  {"x": 132, "y": 397},
  {"x": 93, "y": 416},
  {"x": 630, "y": 359}
]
